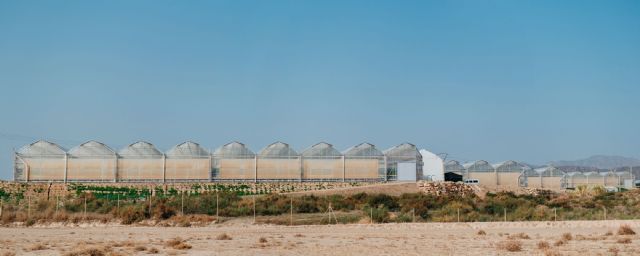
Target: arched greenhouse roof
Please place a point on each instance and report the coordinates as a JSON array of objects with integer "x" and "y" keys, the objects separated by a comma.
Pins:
[
  {"x": 42, "y": 148},
  {"x": 278, "y": 149},
  {"x": 187, "y": 149},
  {"x": 479, "y": 166},
  {"x": 233, "y": 149},
  {"x": 140, "y": 149},
  {"x": 403, "y": 150},
  {"x": 511, "y": 166},
  {"x": 453, "y": 166},
  {"x": 362, "y": 150},
  {"x": 92, "y": 148},
  {"x": 321, "y": 149}
]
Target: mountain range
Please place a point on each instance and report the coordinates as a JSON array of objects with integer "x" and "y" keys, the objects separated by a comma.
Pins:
[{"x": 600, "y": 162}]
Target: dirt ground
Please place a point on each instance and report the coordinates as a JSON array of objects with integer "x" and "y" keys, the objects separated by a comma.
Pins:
[{"x": 238, "y": 238}]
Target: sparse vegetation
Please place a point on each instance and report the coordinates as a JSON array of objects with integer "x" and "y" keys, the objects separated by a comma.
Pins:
[
  {"x": 178, "y": 244},
  {"x": 543, "y": 245},
  {"x": 481, "y": 232},
  {"x": 567, "y": 237},
  {"x": 624, "y": 240},
  {"x": 626, "y": 230},
  {"x": 510, "y": 245},
  {"x": 223, "y": 236}
]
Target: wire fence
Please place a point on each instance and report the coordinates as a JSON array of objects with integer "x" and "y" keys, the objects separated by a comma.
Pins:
[{"x": 282, "y": 209}]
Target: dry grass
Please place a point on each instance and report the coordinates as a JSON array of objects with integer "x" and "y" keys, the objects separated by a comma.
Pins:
[
  {"x": 140, "y": 248},
  {"x": 262, "y": 240},
  {"x": 625, "y": 230},
  {"x": 178, "y": 244},
  {"x": 153, "y": 250},
  {"x": 624, "y": 240},
  {"x": 609, "y": 233},
  {"x": 223, "y": 236},
  {"x": 88, "y": 251},
  {"x": 510, "y": 245},
  {"x": 481, "y": 232},
  {"x": 560, "y": 242},
  {"x": 8, "y": 253},
  {"x": 542, "y": 245},
  {"x": 298, "y": 235},
  {"x": 567, "y": 237},
  {"x": 38, "y": 247},
  {"x": 614, "y": 250},
  {"x": 550, "y": 252},
  {"x": 519, "y": 236}
]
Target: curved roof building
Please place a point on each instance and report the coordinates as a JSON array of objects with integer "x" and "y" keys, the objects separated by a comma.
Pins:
[
  {"x": 453, "y": 166},
  {"x": 511, "y": 166},
  {"x": 363, "y": 150},
  {"x": 233, "y": 150},
  {"x": 140, "y": 149},
  {"x": 478, "y": 166},
  {"x": 187, "y": 149},
  {"x": 92, "y": 149},
  {"x": 278, "y": 150},
  {"x": 42, "y": 148},
  {"x": 404, "y": 162},
  {"x": 321, "y": 149}
]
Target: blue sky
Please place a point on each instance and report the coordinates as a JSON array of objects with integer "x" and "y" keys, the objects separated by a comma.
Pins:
[{"x": 496, "y": 80}]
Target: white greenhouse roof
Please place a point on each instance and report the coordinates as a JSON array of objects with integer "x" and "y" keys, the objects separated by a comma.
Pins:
[
  {"x": 187, "y": 149},
  {"x": 278, "y": 149},
  {"x": 233, "y": 149},
  {"x": 321, "y": 149},
  {"x": 363, "y": 149},
  {"x": 42, "y": 148},
  {"x": 91, "y": 148},
  {"x": 404, "y": 149},
  {"x": 140, "y": 149}
]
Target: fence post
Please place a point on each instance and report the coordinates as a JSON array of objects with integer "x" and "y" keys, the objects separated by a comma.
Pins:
[
  {"x": 85, "y": 207},
  {"x": 217, "y": 208},
  {"x": 29, "y": 207},
  {"x": 57, "y": 202},
  {"x": 413, "y": 214},
  {"x": 371, "y": 214},
  {"x": 117, "y": 203},
  {"x": 605, "y": 212},
  {"x": 458, "y": 214},
  {"x": 254, "y": 209},
  {"x": 182, "y": 203},
  {"x": 505, "y": 214},
  {"x": 291, "y": 214}
]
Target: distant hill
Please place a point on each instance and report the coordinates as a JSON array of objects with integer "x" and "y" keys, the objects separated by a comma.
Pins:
[{"x": 601, "y": 162}]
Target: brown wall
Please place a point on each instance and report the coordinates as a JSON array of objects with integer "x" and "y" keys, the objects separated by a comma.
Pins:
[
  {"x": 91, "y": 169},
  {"x": 279, "y": 169},
  {"x": 362, "y": 168},
  {"x": 140, "y": 169},
  {"x": 45, "y": 169},
  {"x": 322, "y": 169},
  {"x": 236, "y": 169},
  {"x": 187, "y": 169}
]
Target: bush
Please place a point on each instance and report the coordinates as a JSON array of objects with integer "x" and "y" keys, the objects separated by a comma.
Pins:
[
  {"x": 626, "y": 230},
  {"x": 481, "y": 232},
  {"x": 624, "y": 240},
  {"x": 510, "y": 245},
  {"x": 223, "y": 236},
  {"x": 542, "y": 245}
]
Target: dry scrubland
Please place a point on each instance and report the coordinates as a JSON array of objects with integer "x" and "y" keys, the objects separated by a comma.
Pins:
[{"x": 241, "y": 238}]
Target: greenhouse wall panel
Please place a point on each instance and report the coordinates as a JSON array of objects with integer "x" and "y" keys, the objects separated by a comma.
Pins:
[
  {"x": 140, "y": 169},
  {"x": 236, "y": 169}
]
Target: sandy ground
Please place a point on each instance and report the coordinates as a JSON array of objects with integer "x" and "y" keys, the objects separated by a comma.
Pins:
[{"x": 588, "y": 238}]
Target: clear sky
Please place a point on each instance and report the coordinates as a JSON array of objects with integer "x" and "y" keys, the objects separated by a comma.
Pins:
[{"x": 526, "y": 80}]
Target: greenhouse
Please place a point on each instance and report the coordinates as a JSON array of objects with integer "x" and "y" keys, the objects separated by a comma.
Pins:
[
  {"x": 483, "y": 172},
  {"x": 322, "y": 162},
  {"x": 92, "y": 161},
  {"x": 544, "y": 177},
  {"x": 278, "y": 161},
  {"x": 453, "y": 166},
  {"x": 187, "y": 161},
  {"x": 141, "y": 162},
  {"x": 364, "y": 162},
  {"x": 40, "y": 161},
  {"x": 234, "y": 161},
  {"x": 404, "y": 163}
]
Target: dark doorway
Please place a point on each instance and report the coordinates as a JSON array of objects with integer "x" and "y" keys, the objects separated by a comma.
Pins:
[{"x": 452, "y": 176}]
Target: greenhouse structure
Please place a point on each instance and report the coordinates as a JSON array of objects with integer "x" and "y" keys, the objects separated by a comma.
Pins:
[{"x": 141, "y": 161}]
